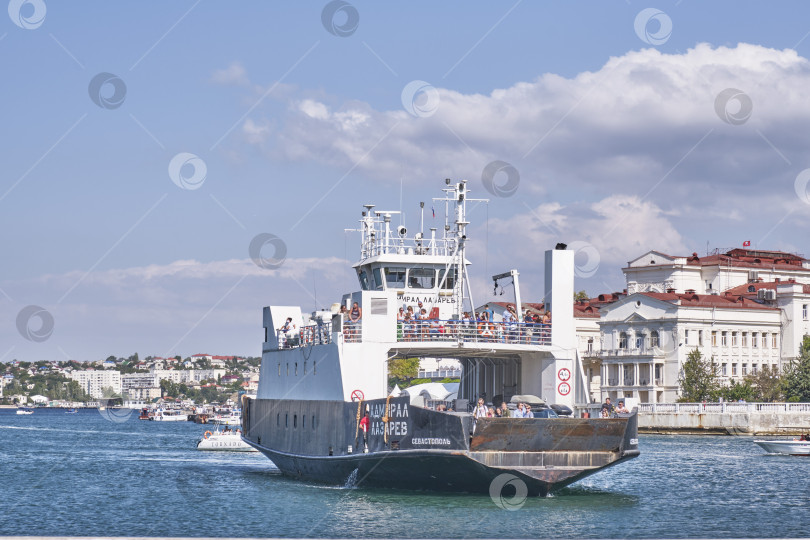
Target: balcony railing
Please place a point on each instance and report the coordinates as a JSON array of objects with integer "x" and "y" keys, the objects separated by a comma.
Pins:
[
  {"x": 732, "y": 407},
  {"x": 315, "y": 334},
  {"x": 474, "y": 332}
]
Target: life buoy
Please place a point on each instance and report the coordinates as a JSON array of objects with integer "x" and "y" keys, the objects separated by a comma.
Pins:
[
  {"x": 486, "y": 329},
  {"x": 207, "y": 434}
]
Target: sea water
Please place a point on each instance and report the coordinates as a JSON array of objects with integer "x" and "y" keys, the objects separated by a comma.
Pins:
[{"x": 106, "y": 473}]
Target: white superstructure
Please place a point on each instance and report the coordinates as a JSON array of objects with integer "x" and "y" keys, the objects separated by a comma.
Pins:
[{"x": 330, "y": 356}]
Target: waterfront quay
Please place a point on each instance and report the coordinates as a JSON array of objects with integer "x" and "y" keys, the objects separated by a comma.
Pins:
[{"x": 730, "y": 418}]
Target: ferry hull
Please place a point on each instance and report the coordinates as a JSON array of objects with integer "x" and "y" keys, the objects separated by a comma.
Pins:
[{"x": 544, "y": 454}]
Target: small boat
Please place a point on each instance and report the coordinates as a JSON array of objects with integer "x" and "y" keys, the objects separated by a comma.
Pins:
[
  {"x": 793, "y": 447},
  {"x": 169, "y": 416},
  {"x": 25, "y": 410},
  {"x": 232, "y": 418},
  {"x": 144, "y": 415},
  {"x": 228, "y": 441},
  {"x": 72, "y": 410}
]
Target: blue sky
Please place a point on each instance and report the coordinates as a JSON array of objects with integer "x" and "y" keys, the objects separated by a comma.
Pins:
[{"x": 615, "y": 133}]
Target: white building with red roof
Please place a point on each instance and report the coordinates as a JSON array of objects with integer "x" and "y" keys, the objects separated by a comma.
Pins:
[{"x": 742, "y": 308}]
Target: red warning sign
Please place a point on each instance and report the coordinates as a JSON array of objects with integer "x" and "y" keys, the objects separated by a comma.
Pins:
[
  {"x": 564, "y": 388},
  {"x": 564, "y": 374}
]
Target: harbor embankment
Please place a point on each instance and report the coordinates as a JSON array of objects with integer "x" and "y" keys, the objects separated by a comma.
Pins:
[{"x": 724, "y": 418}]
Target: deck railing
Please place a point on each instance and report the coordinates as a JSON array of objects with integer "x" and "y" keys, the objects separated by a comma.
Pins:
[
  {"x": 444, "y": 330},
  {"x": 314, "y": 334}
]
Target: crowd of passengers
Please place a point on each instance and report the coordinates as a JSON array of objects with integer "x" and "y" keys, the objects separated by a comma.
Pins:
[
  {"x": 521, "y": 410},
  {"x": 414, "y": 324}
]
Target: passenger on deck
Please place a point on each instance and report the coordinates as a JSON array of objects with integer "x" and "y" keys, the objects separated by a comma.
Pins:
[
  {"x": 490, "y": 413},
  {"x": 480, "y": 409},
  {"x": 520, "y": 412},
  {"x": 621, "y": 409},
  {"x": 505, "y": 410},
  {"x": 286, "y": 329},
  {"x": 608, "y": 405},
  {"x": 509, "y": 323},
  {"x": 354, "y": 316},
  {"x": 529, "y": 413}
]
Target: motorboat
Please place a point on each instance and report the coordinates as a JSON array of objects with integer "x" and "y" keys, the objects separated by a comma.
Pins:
[
  {"x": 72, "y": 410},
  {"x": 324, "y": 412},
  {"x": 25, "y": 410},
  {"x": 793, "y": 447},
  {"x": 169, "y": 416},
  {"x": 231, "y": 418},
  {"x": 224, "y": 441}
]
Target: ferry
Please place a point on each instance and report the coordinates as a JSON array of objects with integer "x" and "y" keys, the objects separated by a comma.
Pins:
[{"x": 324, "y": 411}]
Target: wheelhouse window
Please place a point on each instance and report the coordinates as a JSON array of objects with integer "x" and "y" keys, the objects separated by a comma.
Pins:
[
  {"x": 394, "y": 277},
  {"x": 447, "y": 279},
  {"x": 363, "y": 277},
  {"x": 378, "y": 282},
  {"x": 421, "y": 278}
]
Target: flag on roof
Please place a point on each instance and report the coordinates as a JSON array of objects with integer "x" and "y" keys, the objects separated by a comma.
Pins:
[{"x": 747, "y": 243}]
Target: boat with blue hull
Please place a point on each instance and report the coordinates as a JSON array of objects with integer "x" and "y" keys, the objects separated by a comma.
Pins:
[{"x": 323, "y": 372}]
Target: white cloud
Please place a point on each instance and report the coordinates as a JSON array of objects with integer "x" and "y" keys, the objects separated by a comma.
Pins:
[
  {"x": 645, "y": 121},
  {"x": 235, "y": 74}
]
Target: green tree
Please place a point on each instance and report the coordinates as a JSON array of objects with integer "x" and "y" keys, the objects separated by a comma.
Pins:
[
  {"x": 698, "y": 379},
  {"x": 402, "y": 370},
  {"x": 767, "y": 383},
  {"x": 737, "y": 391},
  {"x": 797, "y": 375},
  {"x": 581, "y": 295}
]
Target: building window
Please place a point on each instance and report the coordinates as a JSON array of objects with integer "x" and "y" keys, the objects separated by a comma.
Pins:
[
  {"x": 714, "y": 338},
  {"x": 753, "y": 369},
  {"x": 686, "y": 337},
  {"x": 734, "y": 339},
  {"x": 654, "y": 340},
  {"x": 623, "y": 340},
  {"x": 764, "y": 340},
  {"x": 733, "y": 370},
  {"x": 590, "y": 345},
  {"x": 745, "y": 339},
  {"x": 723, "y": 339},
  {"x": 640, "y": 341},
  {"x": 745, "y": 369},
  {"x": 754, "y": 340},
  {"x": 723, "y": 370},
  {"x": 774, "y": 343},
  {"x": 700, "y": 338},
  {"x": 804, "y": 312}
]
